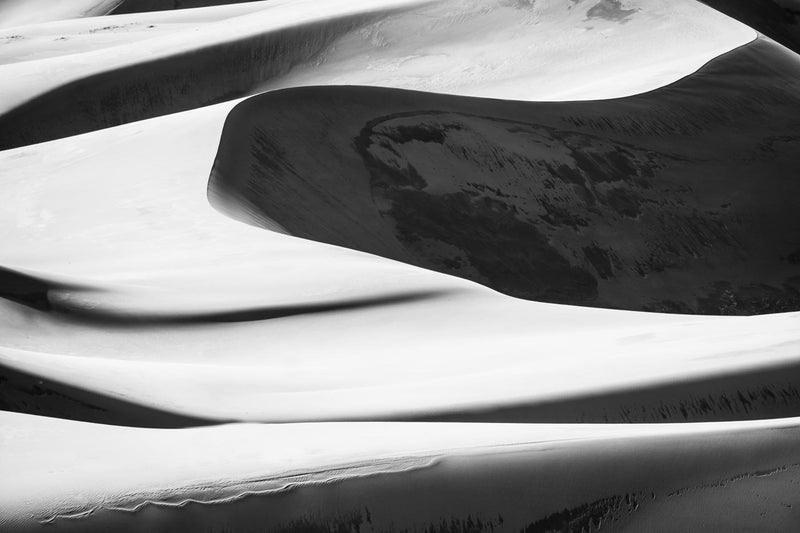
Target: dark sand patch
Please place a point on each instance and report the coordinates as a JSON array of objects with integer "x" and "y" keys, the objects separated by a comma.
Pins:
[{"x": 666, "y": 201}]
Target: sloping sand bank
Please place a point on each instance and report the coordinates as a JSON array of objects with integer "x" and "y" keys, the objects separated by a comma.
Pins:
[{"x": 400, "y": 477}]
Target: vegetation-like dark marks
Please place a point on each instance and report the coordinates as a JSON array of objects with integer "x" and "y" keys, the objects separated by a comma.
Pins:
[
  {"x": 769, "y": 393},
  {"x": 591, "y": 516},
  {"x": 507, "y": 252},
  {"x": 726, "y": 299}
]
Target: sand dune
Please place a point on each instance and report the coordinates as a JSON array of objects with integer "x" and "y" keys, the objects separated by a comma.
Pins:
[
  {"x": 604, "y": 203},
  {"x": 374, "y": 266},
  {"x": 398, "y": 477},
  {"x": 167, "y": 283},
  {"x": 561, "y": 51}
]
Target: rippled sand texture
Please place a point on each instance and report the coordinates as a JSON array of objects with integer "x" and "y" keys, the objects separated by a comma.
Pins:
[{"x": 399, "y": 265}]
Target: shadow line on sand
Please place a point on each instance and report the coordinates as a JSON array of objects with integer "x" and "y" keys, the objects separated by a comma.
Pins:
[
  {"x": 22, "y": 392},
  {"x": 35, "y": 292}
]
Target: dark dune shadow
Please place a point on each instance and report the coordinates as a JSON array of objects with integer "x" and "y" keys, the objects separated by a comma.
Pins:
[
  {"x": 22, "y": 392},
  {"x": 778, "y": 19},
  {"x": 35, "y": 292},
  {"x": 27, "y": 290},
  {"x": 679, "y": 200},
  {"x": 752, "y": 395}
]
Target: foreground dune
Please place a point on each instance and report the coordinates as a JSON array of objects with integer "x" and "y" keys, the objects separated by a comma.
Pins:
[
  {"x": 401, "y": 477},
  {"x": 547, "y": 50}
]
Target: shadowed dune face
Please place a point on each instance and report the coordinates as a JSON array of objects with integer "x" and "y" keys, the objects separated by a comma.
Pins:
[
  {"x": 778, "y": 19},
  {"x": 678, "y": 200}
]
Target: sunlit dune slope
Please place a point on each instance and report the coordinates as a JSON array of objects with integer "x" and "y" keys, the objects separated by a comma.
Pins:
[
  {"x": 678, "y": 200},
  {"x": 400, "y": 477},
  {"x": 544, "y": 50}
]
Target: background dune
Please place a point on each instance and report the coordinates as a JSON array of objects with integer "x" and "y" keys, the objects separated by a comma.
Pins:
[{"x": 533, "y": 51}]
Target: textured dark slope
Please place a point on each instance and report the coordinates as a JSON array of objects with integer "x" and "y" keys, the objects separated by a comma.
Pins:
[
  {"x": 778, "y": 19},
  {"x": 683, "y": 199}
]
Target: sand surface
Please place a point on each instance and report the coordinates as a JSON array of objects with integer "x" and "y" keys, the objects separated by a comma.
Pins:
[{"x": 425, "y": 247}]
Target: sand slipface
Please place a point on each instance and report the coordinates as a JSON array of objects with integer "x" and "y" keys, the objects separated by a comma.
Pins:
[{"x": 383, "y": 268}]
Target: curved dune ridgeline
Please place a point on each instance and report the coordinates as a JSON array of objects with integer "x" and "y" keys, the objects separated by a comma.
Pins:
[
  {"x": 678, "y": 200},
  {"x": 778, "y": 19}
]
